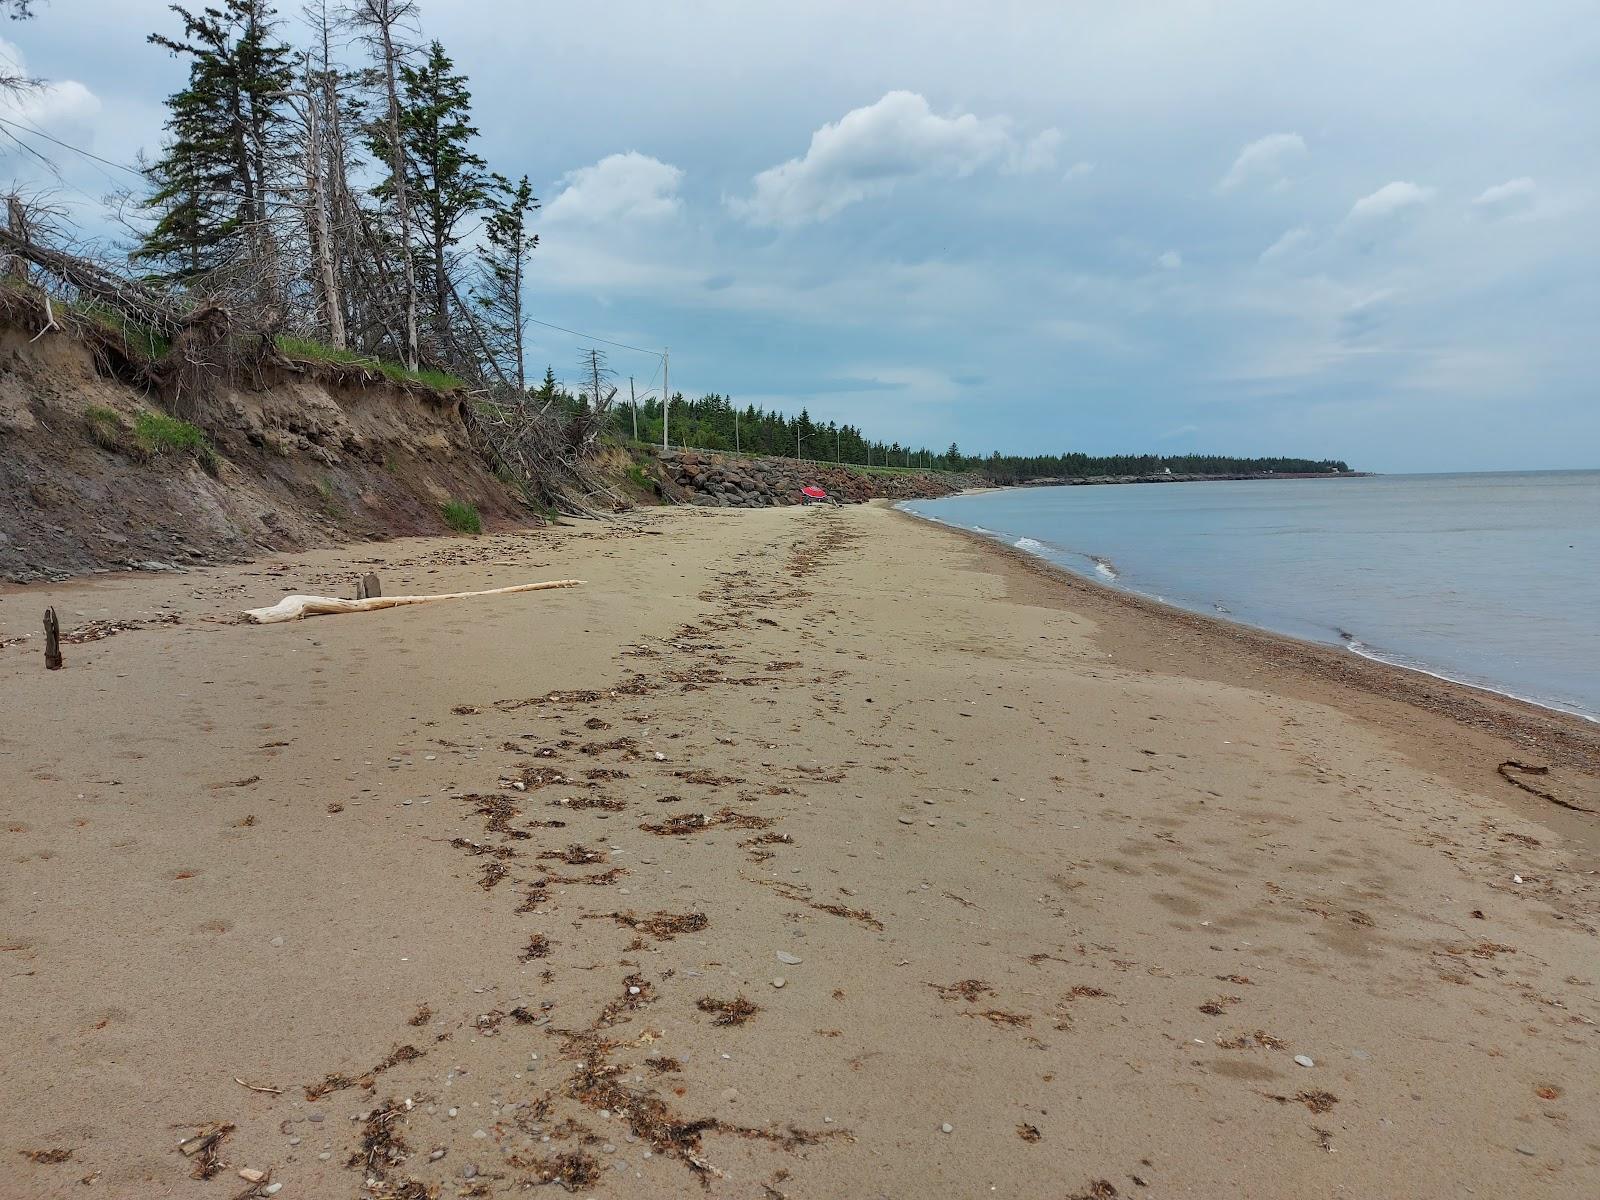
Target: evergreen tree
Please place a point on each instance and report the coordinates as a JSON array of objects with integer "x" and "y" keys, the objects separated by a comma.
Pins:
[
  {"x": 447, "y": 179},
  {"x": 213, "y": 181},
  {"x": 504, "y": 259}
]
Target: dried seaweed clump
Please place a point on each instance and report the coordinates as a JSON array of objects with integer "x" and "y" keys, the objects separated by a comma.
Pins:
[
  {"x": 539, "y": 945},
  {"x": 205, "y": 1148},
  {"x": 728, "y": 1012},
  {"x": 966, "y": 989},
  {"x": 684, "y": 824},
  {"x": 574, "y": 1170},
  {"x": 576, "y": 855},
  {"x": 663, "y": 926},
  {"x": 46, "y": 1157}
]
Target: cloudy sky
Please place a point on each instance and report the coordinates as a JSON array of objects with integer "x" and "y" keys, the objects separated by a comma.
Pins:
[{"x": 1363, "y": 230}]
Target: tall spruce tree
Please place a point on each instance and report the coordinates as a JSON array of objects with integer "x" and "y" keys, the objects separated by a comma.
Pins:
[
  {"x": 503, "y": 261},
  {"x": 447, "y": 179},
  {"x": 215, "y": 178}
]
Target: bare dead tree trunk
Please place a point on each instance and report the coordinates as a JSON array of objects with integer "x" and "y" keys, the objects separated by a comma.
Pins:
[
  {"x": 17, "y": 222},
  {"x": 319, "y": 228},
  {"x": 380, "y": 19}
]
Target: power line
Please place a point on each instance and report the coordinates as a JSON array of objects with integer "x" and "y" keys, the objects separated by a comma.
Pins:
[
  {"x": 591, "y": 337},
  {"x": 68, "y": 146}
]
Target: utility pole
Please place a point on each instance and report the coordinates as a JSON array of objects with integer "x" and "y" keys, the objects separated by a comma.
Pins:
[
  {"x": 666, "y": 399},
  {"x": 736, "y": 431},
  {"x": 837, "y": 456},
  {"x": 633, "y": 403}
]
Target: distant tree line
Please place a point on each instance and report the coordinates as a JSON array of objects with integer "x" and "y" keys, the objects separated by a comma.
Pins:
[{"x": 715, "y": 422}]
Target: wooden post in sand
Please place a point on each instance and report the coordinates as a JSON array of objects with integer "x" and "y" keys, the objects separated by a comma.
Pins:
[
  {"x": 52, "y": 641},
  {"x": 370, "y": 587}
]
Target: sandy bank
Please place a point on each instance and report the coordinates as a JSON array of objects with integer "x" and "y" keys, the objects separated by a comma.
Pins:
[{"x": 1075, "y": 876}]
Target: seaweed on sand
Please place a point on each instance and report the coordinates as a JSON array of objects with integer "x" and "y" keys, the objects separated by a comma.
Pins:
[
  {"x": 539, "y": 945},
  {"x": 967, "y": 989},
  {"x": 663, "y": 926},
  {"x": 576, "y": 855},
  {"x": 791, "y": 891},
  {"x": 337, "y": 1082},
  {"x": 205, "y": 1148},
  {"x": 728, "y": 1012},
  {"x": 383, "y": 1149},
  {"x": 683, "y": 824}
]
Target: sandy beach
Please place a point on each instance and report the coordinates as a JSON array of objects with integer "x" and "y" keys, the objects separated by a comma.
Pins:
[{"x": 798, "y": 853}]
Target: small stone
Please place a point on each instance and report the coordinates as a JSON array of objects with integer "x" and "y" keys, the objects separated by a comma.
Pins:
[
  {"x": 277, "y": 941},
  {"x": 272, "y": 1189},
  {"x": 317, "y": 1118},
  {"x": 480, "y": 1134},
  {"x": 470, "y": 1171},
  {"x": 779, "y": 981},
  {"x": 609, "y": 1148},
  {"x": 325, "y": 1155},
  {"x": 1361, "y": 1054},
  {"x": 294, "y": 1141},
  {"x": 789, "y": 959},
  {"x": 437, "y": 1154},
  {"x": 947, "y": 1127},
  {"x": 251, "y": 1175},
  {"x": 1304, "y": 1060},
  {"x": 1528, "y": 1150},
  {"x": 906, "y": 821},
  {"x": 452, "y": 1112},
  {"x": 730, "y": 1093}
]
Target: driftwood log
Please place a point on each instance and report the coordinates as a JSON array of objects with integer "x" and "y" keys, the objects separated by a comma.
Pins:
[{"x": 292, "y": 608}]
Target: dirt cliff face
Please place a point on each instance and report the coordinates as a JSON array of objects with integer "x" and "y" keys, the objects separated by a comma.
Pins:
[
  {"x": 288, "y": 460},
  {"x": 731, "y": 481}
]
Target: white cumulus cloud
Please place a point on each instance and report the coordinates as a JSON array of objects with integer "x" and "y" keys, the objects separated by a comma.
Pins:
[
  {"x": 1170, "y": 261},
  {"x": 1391, "y": 198},
  {"x": 1290, "y": 239},
  {"x": 1265, "y": 159},
  {"x": 1503, "y": 199},
  {"x": 620, "y": 187},
  {"x": 870, "y": 150},
  {"x": 52, "y": 103}
]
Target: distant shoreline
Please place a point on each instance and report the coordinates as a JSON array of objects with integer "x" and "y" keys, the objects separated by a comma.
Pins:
[{"x": 1166, "y": 477}]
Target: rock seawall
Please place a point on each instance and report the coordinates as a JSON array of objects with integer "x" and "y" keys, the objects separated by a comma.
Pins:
[{"x": 714, "y": 480}]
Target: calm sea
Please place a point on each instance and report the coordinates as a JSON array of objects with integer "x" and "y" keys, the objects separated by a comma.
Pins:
[{"x": 1489, "y": 579}]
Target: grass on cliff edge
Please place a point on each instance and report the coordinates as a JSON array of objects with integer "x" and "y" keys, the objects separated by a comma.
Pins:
[
  {"x": 462, "y": 516},
  {"x": 156, "y": 434},
  {"x": 309, "y": 351}
]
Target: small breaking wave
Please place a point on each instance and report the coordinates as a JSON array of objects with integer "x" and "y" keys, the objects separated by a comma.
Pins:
[
  {"x": 1028, "y": 544},
  {"x": 1105, "y": 567}
]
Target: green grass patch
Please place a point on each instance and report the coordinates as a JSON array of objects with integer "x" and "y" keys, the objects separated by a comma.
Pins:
[
  {"x": 306, "y": 350},
  {"x": 156, "y": 433},
  {"x": 462, "y": 516}
]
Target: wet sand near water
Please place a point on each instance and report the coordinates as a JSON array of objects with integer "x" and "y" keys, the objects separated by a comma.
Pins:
[{"x": 802, "y": 852}]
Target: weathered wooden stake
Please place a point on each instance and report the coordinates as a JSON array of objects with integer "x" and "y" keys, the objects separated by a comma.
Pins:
[
  {"x": 370, "y": 587},
  {"x": 52, "y": 641}
]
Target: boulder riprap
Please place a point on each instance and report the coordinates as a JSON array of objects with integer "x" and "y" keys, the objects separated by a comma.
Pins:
[{"x": 713, "y": 480}]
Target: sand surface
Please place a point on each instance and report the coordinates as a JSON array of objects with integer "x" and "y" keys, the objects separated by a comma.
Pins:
[{"x": 1063, "y": 884}]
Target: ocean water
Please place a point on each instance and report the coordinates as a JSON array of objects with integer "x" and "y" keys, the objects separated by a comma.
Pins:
[{"x": 1489, "y": 579}]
